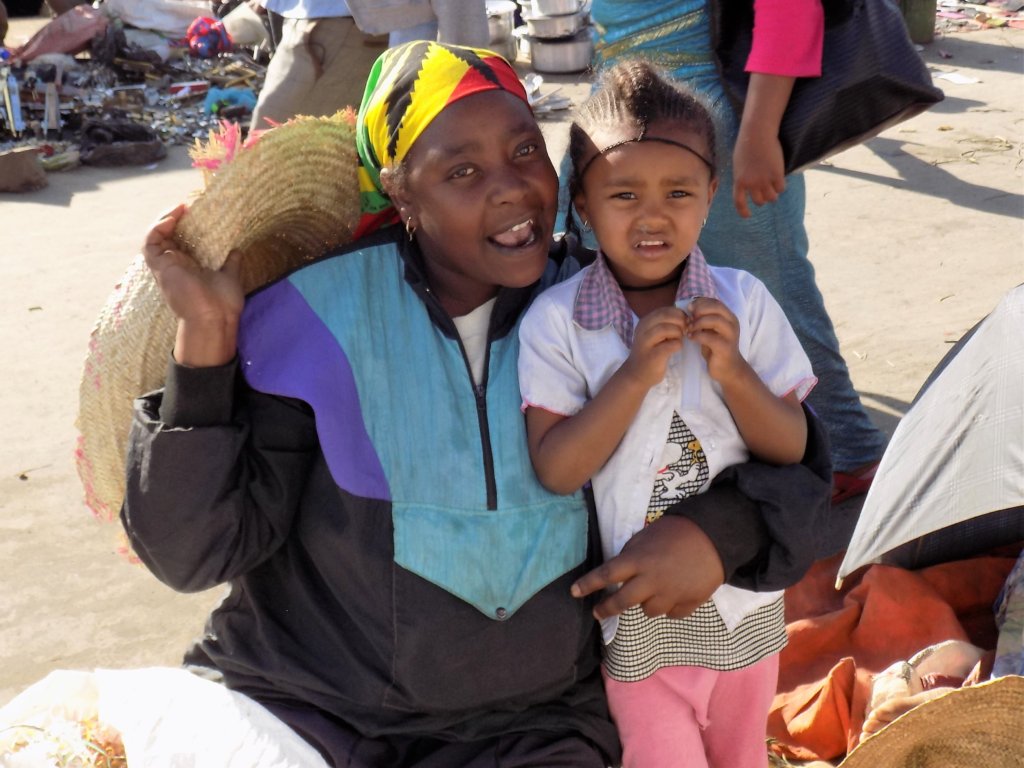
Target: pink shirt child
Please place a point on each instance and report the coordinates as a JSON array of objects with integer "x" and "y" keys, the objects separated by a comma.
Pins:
[{"x": 788, "y": 38}]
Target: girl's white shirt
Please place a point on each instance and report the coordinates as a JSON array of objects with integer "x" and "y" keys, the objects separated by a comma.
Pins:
[{"x": 561, "y": 366}]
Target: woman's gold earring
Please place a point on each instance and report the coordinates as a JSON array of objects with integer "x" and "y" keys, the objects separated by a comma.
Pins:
[{"x": 409, "y": 228}]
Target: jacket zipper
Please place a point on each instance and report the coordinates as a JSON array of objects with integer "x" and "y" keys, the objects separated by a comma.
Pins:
[
  {"x": 480, "y": 395},
  {"x": 485, "y": 438}
]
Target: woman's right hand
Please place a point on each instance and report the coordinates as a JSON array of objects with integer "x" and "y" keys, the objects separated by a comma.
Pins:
[
  {"x": 207, "y": 303},
  {"x": 669, "y": 567}
]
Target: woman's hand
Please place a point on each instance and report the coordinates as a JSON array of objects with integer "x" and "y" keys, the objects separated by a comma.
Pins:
[
  {"x": 670, "y": 568},
  {"x": 207, "y": 303}
]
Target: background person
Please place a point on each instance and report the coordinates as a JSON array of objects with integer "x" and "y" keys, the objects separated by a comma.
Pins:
[{"x": 319, "y": 64}]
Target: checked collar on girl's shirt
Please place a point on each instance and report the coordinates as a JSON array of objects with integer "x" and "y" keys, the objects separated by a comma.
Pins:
[{"x": 600, "y": 301}]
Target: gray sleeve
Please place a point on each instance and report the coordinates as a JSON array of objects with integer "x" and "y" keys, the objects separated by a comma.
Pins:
[
  {"x": 378, "y": 17},
  {"x": 214, "y": 476}
]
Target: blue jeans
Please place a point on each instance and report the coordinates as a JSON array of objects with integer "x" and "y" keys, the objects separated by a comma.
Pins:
[{"x": 772, "y": 245}]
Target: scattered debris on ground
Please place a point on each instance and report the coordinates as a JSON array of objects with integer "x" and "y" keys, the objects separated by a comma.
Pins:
[
  {"x": 90, "y": 89},
  {"x": 116, "y": 82}
]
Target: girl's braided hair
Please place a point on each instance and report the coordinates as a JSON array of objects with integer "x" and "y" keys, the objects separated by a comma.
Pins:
[{"x": 636, "y": 93}]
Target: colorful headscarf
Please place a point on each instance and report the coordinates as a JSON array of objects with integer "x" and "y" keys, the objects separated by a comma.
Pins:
[{"x": 408, "y": 87}]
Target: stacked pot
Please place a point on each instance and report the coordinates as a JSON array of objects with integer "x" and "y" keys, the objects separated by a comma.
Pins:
[
  {"x": 500, "y": 27},
  {"x": 559, "y": 35}
]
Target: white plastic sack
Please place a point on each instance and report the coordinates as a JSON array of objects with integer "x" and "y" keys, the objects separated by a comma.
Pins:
[
  {"x": 167, "y": 718},
  {"x": 169, "y": 17}
]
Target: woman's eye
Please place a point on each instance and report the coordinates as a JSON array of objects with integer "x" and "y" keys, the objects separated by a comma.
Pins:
[
  {"x": 461, "y": 173},
  {"x": 526, "y": 149}
]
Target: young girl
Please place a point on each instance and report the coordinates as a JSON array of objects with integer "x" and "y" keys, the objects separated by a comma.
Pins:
[
  {"x": 648, "y": 373},
  {"x": 768, "y": 238}
]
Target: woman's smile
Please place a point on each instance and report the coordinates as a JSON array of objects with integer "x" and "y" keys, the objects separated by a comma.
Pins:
[{"x": 518, "y": 235}]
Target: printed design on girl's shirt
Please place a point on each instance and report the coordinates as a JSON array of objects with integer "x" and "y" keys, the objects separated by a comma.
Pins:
[{"x": 684, "y": 470}]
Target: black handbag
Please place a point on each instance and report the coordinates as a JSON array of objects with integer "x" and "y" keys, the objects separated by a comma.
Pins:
[{"x": 871, "y": 77}]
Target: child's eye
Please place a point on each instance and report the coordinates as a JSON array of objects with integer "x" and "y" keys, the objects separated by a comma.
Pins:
[
  {"x": 461, "y": 172},
  {"x": 678, "y": 193},
  {"x": 624, "y": 196}
]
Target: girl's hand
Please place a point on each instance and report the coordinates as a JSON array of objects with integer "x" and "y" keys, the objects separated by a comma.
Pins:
[
  {"x": 207, "y": 303},
  {"x": 758, "y": 169},
  {"x": 658, "y": 336},
  {"x": 716, "y": 329},
  {"x": 670, "y": 567}
]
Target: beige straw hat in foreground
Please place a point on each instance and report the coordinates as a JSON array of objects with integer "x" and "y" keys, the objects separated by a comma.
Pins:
[
  {"x": 283, "y": 197},
  {"x": 978, "y": 726}
]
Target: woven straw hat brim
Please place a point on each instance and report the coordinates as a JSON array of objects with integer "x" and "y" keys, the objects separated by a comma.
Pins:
[
  {"x": 978, "y": 726},
  {"x": 281, "y": 202},
  {"x": 287, "y": 199}
]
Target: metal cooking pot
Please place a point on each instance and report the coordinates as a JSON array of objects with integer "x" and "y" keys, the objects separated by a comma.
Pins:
[
  {"x": 554, "y": 7},
  {"x": 571, "y": 54},
  {"x": 501, "y": 16},
  {"x": 555, "y": 26},
  {"x": 500, "y": 22}
]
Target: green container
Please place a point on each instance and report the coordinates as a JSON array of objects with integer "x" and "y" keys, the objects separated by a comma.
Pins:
[{"x": 919, "y": 16}]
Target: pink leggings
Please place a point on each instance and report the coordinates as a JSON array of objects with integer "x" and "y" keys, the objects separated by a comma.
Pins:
[{"x": 691, "y": 717}]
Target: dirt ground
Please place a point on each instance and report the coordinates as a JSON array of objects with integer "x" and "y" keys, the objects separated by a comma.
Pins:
[{"x": 915, "y": 236}]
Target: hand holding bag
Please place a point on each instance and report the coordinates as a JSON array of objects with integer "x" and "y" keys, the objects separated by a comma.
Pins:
[{"x": 871, "y": 77}]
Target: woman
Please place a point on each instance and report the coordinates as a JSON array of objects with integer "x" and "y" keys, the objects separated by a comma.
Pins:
[{"x": 400, "y": 582}]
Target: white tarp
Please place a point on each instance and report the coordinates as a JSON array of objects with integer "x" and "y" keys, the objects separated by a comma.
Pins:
[
  {"x": 958, "y": 453},
  {"x": 166, "y": 717},
  {"x": 169, "y": 17}
]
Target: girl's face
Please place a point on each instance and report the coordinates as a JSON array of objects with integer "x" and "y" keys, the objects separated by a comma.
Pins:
[
  {"x": 482, "y": 194},
  {"x": 647, "y": 201}
]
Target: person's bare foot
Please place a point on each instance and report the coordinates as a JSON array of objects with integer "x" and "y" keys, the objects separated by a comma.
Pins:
[{"x": 890, "y": 709}]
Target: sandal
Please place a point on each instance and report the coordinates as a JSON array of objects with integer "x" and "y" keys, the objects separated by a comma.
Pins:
[{"x": 846, "y": 485}]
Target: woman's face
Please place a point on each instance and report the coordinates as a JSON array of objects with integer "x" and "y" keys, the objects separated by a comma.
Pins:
[{"x": 482, "y": 195}]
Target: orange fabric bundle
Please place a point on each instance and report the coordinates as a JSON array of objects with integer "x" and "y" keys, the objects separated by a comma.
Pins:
[{"x": 883, "y": 614}]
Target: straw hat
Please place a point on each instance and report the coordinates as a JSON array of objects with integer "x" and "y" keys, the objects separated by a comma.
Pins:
[
  {"x": 978, "y": 726},
  {"x": 281, "y": 198}
]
